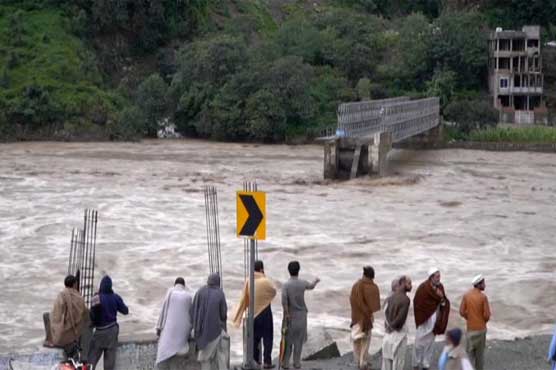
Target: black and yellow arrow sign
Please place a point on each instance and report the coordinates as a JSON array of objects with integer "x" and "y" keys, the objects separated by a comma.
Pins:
[{"x": 251, "y": 214}]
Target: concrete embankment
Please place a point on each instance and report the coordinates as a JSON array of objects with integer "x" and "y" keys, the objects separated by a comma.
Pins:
[{"x": 520, "y": 354}]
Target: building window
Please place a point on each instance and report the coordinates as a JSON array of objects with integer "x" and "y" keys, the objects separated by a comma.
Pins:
[{"x": 503, "y": 83}]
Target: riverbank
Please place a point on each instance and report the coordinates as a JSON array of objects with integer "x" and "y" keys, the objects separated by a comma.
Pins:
[{"x": 528, "y": 353}]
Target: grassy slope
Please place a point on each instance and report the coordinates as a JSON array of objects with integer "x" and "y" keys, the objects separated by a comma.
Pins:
[{"x": 50, "y": 56}]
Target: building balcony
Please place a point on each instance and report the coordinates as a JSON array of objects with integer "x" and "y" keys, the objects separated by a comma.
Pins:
[{"x": 519, "y": 90}]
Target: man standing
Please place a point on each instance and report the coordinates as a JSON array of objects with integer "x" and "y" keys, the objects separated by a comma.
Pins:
[
  {"x": 475, "y": 309},
  {"x": 105, "y": 307},
  {"x": 264, "y": 326},
  {"x": 431, "y": 308},
  {"x": 210, "y": 314},
  {"x": 69, "y": 316},
  {"x": 365, "y": 301},
  {"x": 295, "y": 314},
  {"x": 174, "y": 325},
  {"x": 394, "y": 344}
]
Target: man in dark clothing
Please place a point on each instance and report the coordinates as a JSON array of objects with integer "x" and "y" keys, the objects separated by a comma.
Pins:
[
  {"x": 105, "y": 306},
  {"x": 394, "y": 343},
  {"x": 209, "y": 313}
]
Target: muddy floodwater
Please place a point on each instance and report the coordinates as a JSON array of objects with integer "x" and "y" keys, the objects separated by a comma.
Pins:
[{"x": 466, "y": 212}]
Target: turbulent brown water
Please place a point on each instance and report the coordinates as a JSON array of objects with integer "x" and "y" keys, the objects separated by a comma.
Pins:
[{"x": 466, "y": 212}]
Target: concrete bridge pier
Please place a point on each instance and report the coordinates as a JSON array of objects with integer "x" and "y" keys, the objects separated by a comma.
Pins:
[
  {"x": 348, "y": 158},
  {"x": 384, "y": 147}
]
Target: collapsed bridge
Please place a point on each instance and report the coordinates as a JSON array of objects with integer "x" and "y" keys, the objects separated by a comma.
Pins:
[{"x": 375, "y": 123}]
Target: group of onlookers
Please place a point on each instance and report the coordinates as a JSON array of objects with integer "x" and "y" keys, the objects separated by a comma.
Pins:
[{"x": 202, "y": 317}]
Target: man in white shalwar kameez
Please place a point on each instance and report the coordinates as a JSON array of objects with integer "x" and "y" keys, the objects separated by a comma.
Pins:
[{"x": 174, "y": 327}]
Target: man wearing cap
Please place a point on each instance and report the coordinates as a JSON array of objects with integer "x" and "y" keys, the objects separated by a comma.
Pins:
[
  {"x": 431, "y": 308},
  {"x": 475, "y": 310}
]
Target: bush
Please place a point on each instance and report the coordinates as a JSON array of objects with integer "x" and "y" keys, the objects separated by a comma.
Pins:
[
  {"x": 535, "y": 135},
  {"x": 151, "y": 99},
  {"x": 130, "y": 125},
  {"x": 469, "y": 115}
]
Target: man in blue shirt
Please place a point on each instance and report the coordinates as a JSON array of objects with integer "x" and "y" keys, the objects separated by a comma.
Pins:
[{"x": 105, "y": 306}]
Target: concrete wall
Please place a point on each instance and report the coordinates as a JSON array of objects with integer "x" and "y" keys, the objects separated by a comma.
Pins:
[{"x": 132, "y": 355}]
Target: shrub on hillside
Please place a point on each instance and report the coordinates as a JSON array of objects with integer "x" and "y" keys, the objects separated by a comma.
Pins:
[{"x": 469, "y": 115}]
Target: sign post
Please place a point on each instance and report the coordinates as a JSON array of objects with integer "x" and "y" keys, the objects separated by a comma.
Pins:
[{"x": 251, "y": 223}]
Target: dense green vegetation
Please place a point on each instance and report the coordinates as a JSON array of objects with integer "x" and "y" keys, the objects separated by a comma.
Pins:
[
  {"x": 536, "y": 134},
  {"x": 269, "y": 70}
]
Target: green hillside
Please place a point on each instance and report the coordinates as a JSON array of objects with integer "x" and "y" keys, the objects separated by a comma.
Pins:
[{"x": 261, "y": 70}]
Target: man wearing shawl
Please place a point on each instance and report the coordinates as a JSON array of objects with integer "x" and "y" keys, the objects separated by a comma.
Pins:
[
  {"x": 209, "y": 314},
  {"x": 174, "y": 325},
  {"x": 105, "y": 307},
  {"x": 295, "y": 314},
  {"x": 394, "y": 343},
  {"x": 69, "y": 315},
  {"x": 431, "y": 308},
  {"x": 264, "y": 326},
  {"x": 365, "y": 301}
]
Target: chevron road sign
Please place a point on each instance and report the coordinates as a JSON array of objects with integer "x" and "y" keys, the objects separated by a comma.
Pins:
[{"x": 251, "y": 214}]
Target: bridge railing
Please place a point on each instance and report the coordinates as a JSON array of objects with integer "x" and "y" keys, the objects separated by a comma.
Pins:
[{"x": 400, "y": 116}]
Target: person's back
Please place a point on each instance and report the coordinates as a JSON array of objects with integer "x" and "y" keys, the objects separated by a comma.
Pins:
[
  {"x": 69, "y": 315},
  {"x": 105, "y": 306},
  {"x": 294, "y": 290},
  {"x": 475, "y": 310},
  {"x": 295, "y": 314},
  {"x": 174, "y": 324},
  {"x": 209, "y": 313}
]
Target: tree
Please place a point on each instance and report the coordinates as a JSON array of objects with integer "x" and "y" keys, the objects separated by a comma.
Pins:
[
  {"x": 16, "y": 29},
  {"x": 130, "y": 125},
  {"x": 5, "y": 79},
  {"x": 364, "y": 89},
  {"x": 266, "y": 118},
  {"x": 442, "y": 85},
  {"x": 151, "y": 99},
  {"x": 459, "y": 43},
  {"x": 470, "y": 115}
]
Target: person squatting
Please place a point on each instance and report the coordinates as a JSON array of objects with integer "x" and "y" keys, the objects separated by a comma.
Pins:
[{"x": 201, "y": 318}]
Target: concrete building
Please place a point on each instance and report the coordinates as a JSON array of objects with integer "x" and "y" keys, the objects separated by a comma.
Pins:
[{"x": 516, "y": 76}]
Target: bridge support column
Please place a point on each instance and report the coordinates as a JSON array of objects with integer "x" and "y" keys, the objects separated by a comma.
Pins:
[
  {"x": 384, "y": 146},
  {"x": 346, "y": 158}
]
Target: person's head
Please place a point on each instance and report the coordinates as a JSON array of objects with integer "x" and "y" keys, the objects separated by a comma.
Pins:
[
  {"x": 395, "y": 285},
  {"x": 179, "y": 281},
  {"x": 453, "y": 337},
  {"x": 368, "y": 272},
  {"x": 405, "y": 284},
  {"x": 293, "y": 268},
  {"x": 479, "y": 282},
  {"x": 70, "y": 281},
  {"x": 434, "y": 276},
  {"x": 213, "y": 280},
  {"x": 259, "y": 266},
  {"x": 106, "y": 285}
]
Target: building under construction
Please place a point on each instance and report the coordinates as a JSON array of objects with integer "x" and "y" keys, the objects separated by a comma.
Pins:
[{"x": 516, "y": 76}]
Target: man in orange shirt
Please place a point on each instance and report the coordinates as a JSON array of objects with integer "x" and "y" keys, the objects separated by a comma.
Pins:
[{"x": 475, "y": 309}]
